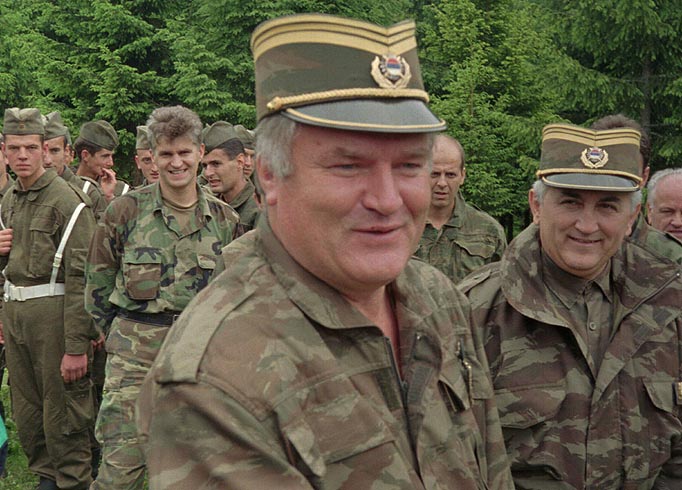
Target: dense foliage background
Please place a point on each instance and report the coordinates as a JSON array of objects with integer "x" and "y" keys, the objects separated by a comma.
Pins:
[{"x": 498, "y": 70}]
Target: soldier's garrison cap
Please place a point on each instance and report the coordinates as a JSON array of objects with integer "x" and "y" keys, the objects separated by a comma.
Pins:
[
  {"x": 54, "y": 127},
  {"x": 23, "y": 121},
  {"x": 577, "y": 158},
  {"x": 246, "y": 136},
  {"x": 341, "y": 73},
  {"x": 143, "y": 139},
  {"x": 99, "y": 133},
  {"x": 218, "y": 133}
]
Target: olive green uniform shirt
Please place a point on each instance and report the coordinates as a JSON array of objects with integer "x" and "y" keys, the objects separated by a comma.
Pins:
[
  {"x": 245, "y": 204},
  {"x": 469, "y": 240}
]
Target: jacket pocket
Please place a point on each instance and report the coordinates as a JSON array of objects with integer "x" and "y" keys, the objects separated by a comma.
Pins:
[
  {"x": 43, "y": 246},
  {"x": 142, "y": 274},
  {"x": 80, "y": 406},
  {"x": 334, "y": 437},
  {"x": 525, "y": 406}
]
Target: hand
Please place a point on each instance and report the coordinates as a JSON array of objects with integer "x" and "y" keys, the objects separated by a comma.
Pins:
[
  {"x": 5, "y": 241},
  {"x": 107, "y": 182},
  {"x": 74, "y": 367},
  {"x": 97, "y": 344},
  {"x": 2, "y": 334}
]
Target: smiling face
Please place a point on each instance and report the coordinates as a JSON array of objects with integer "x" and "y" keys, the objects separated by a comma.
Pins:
[
  {"x": 353, "y": 209},
  {"x": 177, "y": 160},
  {"x": 665, "y": 212},
  {"x": 581, "y": 230}
]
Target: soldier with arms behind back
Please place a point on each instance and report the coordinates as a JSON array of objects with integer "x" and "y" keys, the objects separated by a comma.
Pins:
[
  {"x": 323, "y": 357},
  {"x": 583, "y": 329}
]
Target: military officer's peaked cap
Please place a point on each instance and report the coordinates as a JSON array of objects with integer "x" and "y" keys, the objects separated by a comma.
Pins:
[
  {"x": 341, "y": 73},
  {"x": 218, "y": 133},
  {"x": 54, "y": 127},
  {"x": 99, "y": 133},
  {"x": 577, "y": 158},
  {"x": 143, "y": 139},
  {"x": 246, "y": 136},
  {"x": 23, "y": 121}
]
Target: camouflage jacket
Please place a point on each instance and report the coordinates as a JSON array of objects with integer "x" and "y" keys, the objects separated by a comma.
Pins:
[
  {"x": 564, "y": 427},
  {"x": 270, "y": 379},
  {"x": 38, "y": 217},
  {"x": 469, "y": 240},
  {"x": 657, "y": 242},
  {"x": 245, "y": 204},
  {"x": 141, "y": 260}
]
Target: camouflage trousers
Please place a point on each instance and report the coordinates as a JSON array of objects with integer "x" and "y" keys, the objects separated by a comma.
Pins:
[
  {"x": 53, "y": 418},
  {"x": 131, "y": 350}
]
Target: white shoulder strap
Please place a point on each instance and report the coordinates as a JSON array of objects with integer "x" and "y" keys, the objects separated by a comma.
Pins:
[
  {"x": 60, "y": 250},
  {"x": 126, "y": 188},
  {"x": 86, "y": 186}
]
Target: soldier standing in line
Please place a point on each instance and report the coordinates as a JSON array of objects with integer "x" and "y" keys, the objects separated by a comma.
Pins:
[
  {"x": 323, "y": 357},
  {"x": 144, "y": 160},
  {"x": 583, "y": 329},
  {"x": 248, "y": 139},
  {"x": 642, "y": 232},
  {"x": 58, "y": 141},
  {"x": 154, "y": 250},
  {"x": 664, "y": 203},
  {"x": 223, "y": 165},
  {"x": 6, "y": 183},
  {"x": 47, "y": 228},
  {"x": 458, "y": 238},
  {"x": 95, "y": 147}
]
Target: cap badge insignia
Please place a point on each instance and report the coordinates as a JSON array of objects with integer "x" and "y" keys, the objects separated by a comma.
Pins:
[
  {"x": 22, "y": 125},
  {"x": 391, "y": 71},
  {"x": 594, "y": 157}
]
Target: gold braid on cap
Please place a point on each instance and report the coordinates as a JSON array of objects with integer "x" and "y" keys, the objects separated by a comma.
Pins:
[
  {"x": 618, "y": 173},
  {"x": 277, "y": 103}
]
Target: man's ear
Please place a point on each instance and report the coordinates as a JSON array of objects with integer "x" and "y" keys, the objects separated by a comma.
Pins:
[
  {"x": 534, "y": 206},
  {"x": 267, "y": 180}
]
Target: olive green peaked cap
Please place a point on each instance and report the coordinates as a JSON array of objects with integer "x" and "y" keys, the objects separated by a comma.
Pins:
[
  {"x": 54, "y": 127},
  {"x": 23, "y": 121},
  {"x": 143, "y": 140},
  {"x": 246, "y": 136},
  {"x": 99, "y": 133},
  {"x": 577, "y": 158},
  {"x": 341, "y": 73},
  {"x": 218, "y": 133}
]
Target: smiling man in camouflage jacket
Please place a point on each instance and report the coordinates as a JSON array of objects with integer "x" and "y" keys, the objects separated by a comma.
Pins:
[
  {"x": 154, "y": 249},
  {"x": 323, "y": 357},
  {"x": 583, "y": 328}
]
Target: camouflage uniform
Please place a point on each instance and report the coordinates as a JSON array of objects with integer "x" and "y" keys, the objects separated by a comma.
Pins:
[
  {"x": 272, "y": 380},
  {"x": 568, "y": 423},
  {"x": 142, "y": 262},
  {"x": 656, "y": 241},
  {"x": 52, "y": 417},
  {"x": 469, "y": 240},
  {"x": 245, "y": 204}
]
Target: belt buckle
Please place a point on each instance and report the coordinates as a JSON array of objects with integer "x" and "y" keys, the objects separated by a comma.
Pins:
[{"x": 17, "y": 293}]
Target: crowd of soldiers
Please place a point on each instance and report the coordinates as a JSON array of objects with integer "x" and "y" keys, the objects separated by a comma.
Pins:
[{"x": 319, "y": 307}]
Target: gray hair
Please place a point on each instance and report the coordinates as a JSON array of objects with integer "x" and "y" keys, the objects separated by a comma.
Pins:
[
  {"x": 274, "y": 138},
  {"x": 174, "y": 122},
  {"x": 539, "y": 189},
  {"x": 659, "y": 176}
]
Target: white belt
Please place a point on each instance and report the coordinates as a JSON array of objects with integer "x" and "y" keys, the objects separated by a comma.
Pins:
[{"x": 23, "y": 293}]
